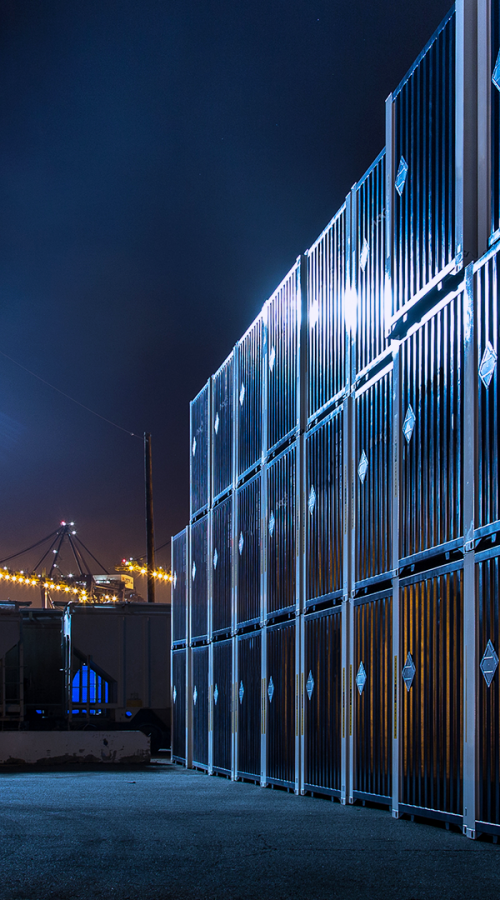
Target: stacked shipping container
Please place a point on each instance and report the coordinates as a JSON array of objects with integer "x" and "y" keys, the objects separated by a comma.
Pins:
[{"x": 342, "y": 564}]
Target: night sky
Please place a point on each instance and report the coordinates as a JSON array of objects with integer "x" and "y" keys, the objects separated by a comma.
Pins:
[{"x": 162, "y": 165}]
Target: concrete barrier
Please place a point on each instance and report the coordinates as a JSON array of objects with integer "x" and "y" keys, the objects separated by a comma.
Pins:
[{"x": 55, "y": 748}]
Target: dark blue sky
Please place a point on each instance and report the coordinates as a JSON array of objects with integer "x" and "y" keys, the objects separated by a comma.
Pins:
[{"x": 162, "y": 164}]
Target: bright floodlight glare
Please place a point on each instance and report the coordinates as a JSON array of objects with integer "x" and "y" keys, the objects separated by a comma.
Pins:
[{"x": 350, "y": 308}]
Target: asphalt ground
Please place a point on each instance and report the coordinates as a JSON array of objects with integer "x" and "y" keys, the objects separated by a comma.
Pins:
[{"x": 167, "y": 833}]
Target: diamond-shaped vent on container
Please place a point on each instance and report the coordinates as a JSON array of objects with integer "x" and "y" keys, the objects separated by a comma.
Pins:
[
  {"x": 361, "y": 678},
  {"x": 401, "y": 176},
  {"x": 174, "y": 580},
  {"x": 409, "y": 423},
  {"x": 216, "y": 694},
  {"x": 496, "y": 73},
  {"x": 241, "y": 543},
  {"x": 174, "y": 694},
  {"x": 362, "y": 467},
  {"x": 270, "y": 690},
  {"x": 311, "y": 503},
  {"x": 194, "y": 446},
  {"x": 489, "y": 663},
  {"x": 272, "y": 523},
  {"x": 487, "y": 365},
  {"x": 310, "y": 684},
  {"x": 363, "y": 259},
  {"x": 241, "y": 692},
  {"x": 408, "y": 672},
  {"x": 216, "y": 558},
  {"x": 272, "y": 358},
  {"x": 216, "y": 423},
  {"x": 242, "y": 393},
  {"x": 195, "y": 695},
  {"x": 193, "y": 570}
]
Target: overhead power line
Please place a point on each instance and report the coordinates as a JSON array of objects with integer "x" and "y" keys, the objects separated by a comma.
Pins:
[{"x": 68, "y": 397}]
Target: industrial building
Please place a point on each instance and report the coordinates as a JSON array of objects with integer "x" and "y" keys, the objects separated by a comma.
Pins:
[
  {"x": 335, "y": 624},
  {"x": 98, "y": 668}
]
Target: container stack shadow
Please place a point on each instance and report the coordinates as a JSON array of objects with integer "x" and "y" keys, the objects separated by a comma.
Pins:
[{"x": 335, "y": 595}]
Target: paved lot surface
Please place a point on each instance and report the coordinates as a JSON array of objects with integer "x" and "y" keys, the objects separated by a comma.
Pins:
[{"x": 164, "y": 833}]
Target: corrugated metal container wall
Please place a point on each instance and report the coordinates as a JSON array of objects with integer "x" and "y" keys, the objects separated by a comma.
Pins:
[
  {"x": 11, "y": 706},
  {"x": 323, "y": 701},
  {"x": 179, "y": 705},
  {"x": 488, "y": 698},
  {"x": 248, "y": 593},
  {"x": 199, "y": 579},
  {"x": 249, "y": 362},
  {"x": 370, "y": 264},
  {"x": 179, "y": 586},
  {"x": 326, "y": 276},
  {"x": 199, "y": 480},
  {"x": 222, "y": 517},
  {"x": 280, "y": 688},
  {"x": 222, "y": 427},
  {"x": 373, "y": 697},
  {"x": 249, "y": 703},
  {"x": 199, "y": 657},
  {"x": 281, "y": 533},
  {"x": 324, "y": 530},
  {"x": 373, "y": 483},
  {"x": 283, "y": 314},
  {"x": 431, "y": 413},
  {"x": 222, "y": 686},
  {"x": 424, "y": 155},
  {"x": 43, "y": 661},
  {"x": 488, "y": 398},
  {"x": 495, "y": 122},
  {"x": 431, "y": 714}
]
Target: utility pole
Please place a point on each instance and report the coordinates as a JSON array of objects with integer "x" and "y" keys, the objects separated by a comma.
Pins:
[{"x": 150, "y": 539}]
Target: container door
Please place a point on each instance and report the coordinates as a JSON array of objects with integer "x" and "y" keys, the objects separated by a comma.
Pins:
[
  {"x": 249, "y": 719},
  {"x": 222, "y": 683},
  {"x": 200, "y": 706},
  {"x": 179, "y": 569},
  {"x": 373, "y": 698},
  {"x": 179, "y": 705},
  {"x": 488, "y": 696},
  {"x": 248, "y": 596},
  {"x": 199, "y": 579},
  {"x": 221, "y": 560},
  {"x": 280, "y": 688},
  {"x": 323, "y": 702},
  {"x": 431, "y": 664}
]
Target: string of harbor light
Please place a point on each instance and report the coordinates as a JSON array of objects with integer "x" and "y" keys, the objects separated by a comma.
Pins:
[
  {"x": 132, "y": 566},
  {"x": 41, "y": 582},
  {"x": 81, "y": 594}
]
